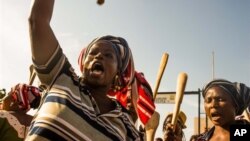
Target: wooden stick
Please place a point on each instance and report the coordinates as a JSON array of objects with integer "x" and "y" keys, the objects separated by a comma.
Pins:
[
  {"x": 161, "y": 70},
  {"x": 181, "y": 84},
  {"x": 32, "y": 75}
]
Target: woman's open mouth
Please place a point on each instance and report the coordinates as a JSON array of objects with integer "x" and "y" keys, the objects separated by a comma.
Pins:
[
  {"x": 97, "y": 69},
  {"x": 215, "y": 116}
]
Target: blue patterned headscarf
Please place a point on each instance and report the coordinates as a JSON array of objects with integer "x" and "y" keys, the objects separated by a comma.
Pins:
[{"x": 239, "y": 92}]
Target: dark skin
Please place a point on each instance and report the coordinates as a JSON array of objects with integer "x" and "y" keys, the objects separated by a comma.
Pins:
[
  {"x": 219, "y": 108},
  {"x": 8, "y": 104},
  {"x": 44, "y": 43},
  {"x": 100, "y": 79},
  {"x": 99, "y": 70},
  {"x": 103, "y": 55},
  {"x": 170, "y": 134}
]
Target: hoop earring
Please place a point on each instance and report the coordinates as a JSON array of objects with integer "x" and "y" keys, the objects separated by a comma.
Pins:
[{"x": 116, "y": 84}]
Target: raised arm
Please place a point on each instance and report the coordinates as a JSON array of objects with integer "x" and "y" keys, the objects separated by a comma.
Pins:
[{"x": 43, "y": 40}]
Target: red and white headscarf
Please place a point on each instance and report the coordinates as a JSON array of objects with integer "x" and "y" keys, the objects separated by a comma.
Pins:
[
  {"x": 26, "y": 96},
  {"x": 123, "y": 54},
  {"x": 145, "y": 105}
]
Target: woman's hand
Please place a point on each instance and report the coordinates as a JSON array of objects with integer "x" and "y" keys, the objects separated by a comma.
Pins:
[{"x": 170, "y": 134}]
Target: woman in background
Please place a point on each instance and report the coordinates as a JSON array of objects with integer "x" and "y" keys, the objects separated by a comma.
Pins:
[
  {"x": 174, "y": 134},
  {"x": 223, "y": 102}
]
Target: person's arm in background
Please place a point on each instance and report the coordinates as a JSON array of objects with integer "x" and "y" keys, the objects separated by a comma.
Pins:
[
  {"x": 21, "y": 98},
  {"x": 43, "y": 40},
  {"x": 171, "y": 134}
]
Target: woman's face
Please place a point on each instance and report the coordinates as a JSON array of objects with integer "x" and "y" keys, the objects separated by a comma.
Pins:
[
  {"x": 219, "y": 106},
  {"x": 100, "y": 65}
]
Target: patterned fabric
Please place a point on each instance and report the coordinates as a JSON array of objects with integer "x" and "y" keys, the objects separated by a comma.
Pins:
[
  {"x": 240, "y": 92},
  {"x": 10, "y": 126},
  {"x": 69, "y": 112},
  {"x": 14, "y": 122},
  {"x": 123, "y": 54},
  {"x": 7, "y": 132},
  {"x": 26, "y": 96},
  {"x": 145, "y": 104}
]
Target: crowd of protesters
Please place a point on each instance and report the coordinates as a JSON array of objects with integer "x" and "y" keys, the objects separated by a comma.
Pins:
[{"x": 107, "y": 99}]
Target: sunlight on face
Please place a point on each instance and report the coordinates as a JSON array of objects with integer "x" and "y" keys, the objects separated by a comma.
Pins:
[{"x": 219, "y": 106}]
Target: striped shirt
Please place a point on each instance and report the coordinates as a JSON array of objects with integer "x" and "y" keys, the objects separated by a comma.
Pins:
[{"x": 69, "y": 112}]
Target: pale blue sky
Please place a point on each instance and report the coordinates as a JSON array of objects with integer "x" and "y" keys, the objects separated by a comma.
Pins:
[{"x": 188, "y": 30}]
